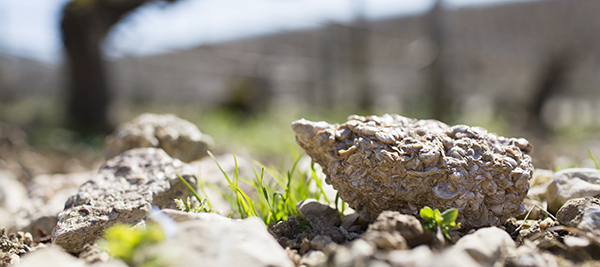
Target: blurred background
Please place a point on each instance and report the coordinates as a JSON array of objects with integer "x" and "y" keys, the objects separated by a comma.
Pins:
[{"x": 243, "y": 70}]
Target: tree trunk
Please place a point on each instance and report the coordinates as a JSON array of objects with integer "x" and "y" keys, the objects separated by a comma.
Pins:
[{"x": 84, "y": 26}]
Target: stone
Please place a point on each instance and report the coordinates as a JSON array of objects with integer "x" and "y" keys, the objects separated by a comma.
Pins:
[
  {"x": 12, "y": 192},
  {"x": 52, "y": 256},
  {"x": 541, "y": 176},
  {"x": 319, "y": 215},
  {"x": 418, "y": 256},
  {"x": 485, "y": 246},
  {"x": 407, "y": 226},
  {"x": 14, "y": 245},
  {"x": 356, "y": 253},
  {"x": 572, "y": 183},
  {"x": 183, "y": 216},
  {"x": 123, "y": 191},
  {"x": 591, "y": 220},
  {"x": 396, "y": 163},
  {"x": 313, "y": 258},
  {"x": 47, "y": 196},
  {"x": 571, "y": 213},
  {"x": 179, "y": 138},
  {"x": 225, "y": 243}
]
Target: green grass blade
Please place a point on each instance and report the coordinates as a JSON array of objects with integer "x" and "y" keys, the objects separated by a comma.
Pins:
[
  {"x": 593, "y": 158},
  {"x": 190, "y": 188},
  {"x": 318, "y": 182},
  {"x": 219, "y": 165}
]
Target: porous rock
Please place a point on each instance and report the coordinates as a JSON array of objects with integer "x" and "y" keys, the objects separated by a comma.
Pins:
[
  {"x": 571, "y": 213},
  {"x": 123, "y": 191},
  {"x": 396, "y": 163},
  {"x": 14, "y": 245},
  {"x": 572, "y": 183},
  {"x": 47, "y": 196},
  {"x": 319, "y": 215},
  {"x": 225, "y": 243},
  {"x": 181, "y": 139}
]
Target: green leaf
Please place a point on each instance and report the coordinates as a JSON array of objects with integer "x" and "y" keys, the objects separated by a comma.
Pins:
[
  {"x": 437, "y": 217},
  {"x": 449, "y": 216},
  {"x": 427, "y": 214}
]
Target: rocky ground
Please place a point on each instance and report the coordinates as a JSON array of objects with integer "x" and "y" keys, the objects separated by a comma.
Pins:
[{"x": 55, "y": 219}]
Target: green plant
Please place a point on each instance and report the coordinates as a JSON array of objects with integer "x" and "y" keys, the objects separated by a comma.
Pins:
[
  {"x": 275, "y": 199},
  {"x": 125, "y": 243},
  {"x": 593, "y": 158},
  {"x": 204, "y": 204},
  {"x": 444, "y": 220}
]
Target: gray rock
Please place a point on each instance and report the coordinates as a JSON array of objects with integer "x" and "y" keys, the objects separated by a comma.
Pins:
[
  {"x": 123, "y": 191},
  {"x": 225, "y": 243},
  {"x": 319, "y": 215},
  {"x": 485, "y": 246},
  {"x": 572, "y": 183},
  {"x": 51, "y": 256},
  {"x": 12, "y": 192},
  {"x": 357, "y": 253},
  {"x": 590, "y": 220},
  {"x": 48, "y": 194},
  {"x": 179, "y": 138},
  {"x": 182, "y": 216},
  {"x": 407, "y": 225},
  {"x": 571, "y": 213}
]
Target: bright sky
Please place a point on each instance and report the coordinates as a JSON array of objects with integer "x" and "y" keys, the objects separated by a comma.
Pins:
[{"x": 30, "y": 28}]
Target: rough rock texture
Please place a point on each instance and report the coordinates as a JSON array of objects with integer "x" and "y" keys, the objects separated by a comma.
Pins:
[
  {"x": 395, "y": 163},
  {"x": 572, "y": 183},
  {"x": 407, "y": 226},
  {"x": 14, "y": 245},
  {"x": 179, "y": 138},
  {"x": 225, "y": 243},
  {"x": 319, "y": 215},
  {"x": 571, "y": 213},
  {"x": 591, "y": 220},
  {"x": 123, "y": 191},
  {"x": 47, "y": 196}
]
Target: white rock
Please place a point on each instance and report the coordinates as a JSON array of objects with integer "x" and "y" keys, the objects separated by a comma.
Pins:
[
  {"x": 179, "y": 138},
  {"x": 572, "y": 183},
  {"x": 12, "y": 192},
  {"x": 123, "y": 191},
  {"x": 226, "y": 243},
  {"x": 485, "y": 247},
  {"x": 418, "y": 256},
  {"x": 51, "y": 256}
]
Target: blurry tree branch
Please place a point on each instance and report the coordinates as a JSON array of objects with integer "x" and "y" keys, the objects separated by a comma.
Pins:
[{"x": 85, "y": 24}]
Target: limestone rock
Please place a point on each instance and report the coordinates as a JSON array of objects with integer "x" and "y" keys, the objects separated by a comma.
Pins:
[
  {"x": 396, "y": 163},
  {"x": 47, "y": 196},
  {"x": 123, "y": 191},
  {"x": 406, "y": 225},
  {"x": 52, "y": 256},
  {"x": 179, "y": 138},
  {"x": 571, "y": 213},
  {"x": 572, "y": 183},
  {"x": 319, "y": 215},
  {"x": 225, "y": 243},
  {"x": 12, "y": 192},
  {"x": 485, "y": 247},
  {"x": 591, "y": 220},
  {"x": 14, "y": 245}
]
